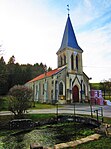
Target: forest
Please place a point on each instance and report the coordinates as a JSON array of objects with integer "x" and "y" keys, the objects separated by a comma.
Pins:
[{"x": 12, "y": 73}]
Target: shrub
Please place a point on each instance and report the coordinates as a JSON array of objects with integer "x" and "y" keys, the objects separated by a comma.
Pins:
[{"x": 20, "y": 99}]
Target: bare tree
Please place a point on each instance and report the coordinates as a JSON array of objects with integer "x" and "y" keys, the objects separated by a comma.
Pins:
[{"x": 1, "y": 50}]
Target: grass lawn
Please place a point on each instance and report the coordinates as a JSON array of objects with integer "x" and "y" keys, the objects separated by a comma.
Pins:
[
  {"x": 102, "y": 143},
  {"x": 43, "y": 106},
  {"x": 4, "y": 105},
  {"x": 38, "y": 117},
  {"x": 107, "y": 120},
  {"x": 108, "y": 98}
]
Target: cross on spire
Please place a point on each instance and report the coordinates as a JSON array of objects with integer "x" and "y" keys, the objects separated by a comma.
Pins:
[{"x": 68, "y": 9}]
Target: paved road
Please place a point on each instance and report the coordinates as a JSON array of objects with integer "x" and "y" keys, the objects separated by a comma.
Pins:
[{"x": 79, "y": 109}]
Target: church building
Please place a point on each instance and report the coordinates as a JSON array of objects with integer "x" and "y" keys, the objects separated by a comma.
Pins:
[{"x": 67, "y": 83}]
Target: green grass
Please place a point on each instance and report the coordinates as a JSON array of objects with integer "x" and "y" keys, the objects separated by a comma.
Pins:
[
  {"x": 36, "y": 117},
  {"x": 107, "y": 120},
  {"x": 107, "y": 98},
  {"x": 4, "y": 119},
  {"x": 3, "y": 103},
  {"x": 102, "y": 143},
  {"x": 43, "y": 106}
]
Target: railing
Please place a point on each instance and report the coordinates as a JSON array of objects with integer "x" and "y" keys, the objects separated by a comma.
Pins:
[
  {"x": 99, "y": 114},
  {"x": 75, "y": 109}
]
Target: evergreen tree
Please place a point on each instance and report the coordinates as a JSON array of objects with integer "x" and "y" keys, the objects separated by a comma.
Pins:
[
  {"x": 15, "y": 74},
  {"x": 3, "y": 77},
  {"x": 11, "y": 72}
]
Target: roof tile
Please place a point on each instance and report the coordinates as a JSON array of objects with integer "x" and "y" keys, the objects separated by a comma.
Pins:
[{"x": 47, "y": 74}]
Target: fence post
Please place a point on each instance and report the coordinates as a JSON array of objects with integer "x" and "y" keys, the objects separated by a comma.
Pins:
[
  {"x": 91, "y": 110},
  {"x": 97, "y": 115},
  {"x": 57, "y": 112},
  {"x": 74, "y": 109},
  {"x": 102, "y": 114}
]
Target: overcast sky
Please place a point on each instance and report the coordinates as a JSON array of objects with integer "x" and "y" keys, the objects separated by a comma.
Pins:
[{"x": 32, "y": 31}]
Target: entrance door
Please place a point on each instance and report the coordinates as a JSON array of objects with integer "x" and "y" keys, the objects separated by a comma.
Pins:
[{"x": 75, "y": 94}]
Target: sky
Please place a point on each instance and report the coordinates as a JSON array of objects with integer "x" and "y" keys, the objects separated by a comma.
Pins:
[{"x": 32, "y": 31}]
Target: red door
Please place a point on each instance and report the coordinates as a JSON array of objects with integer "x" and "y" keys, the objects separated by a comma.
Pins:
[{"x": 75, "y": 94}]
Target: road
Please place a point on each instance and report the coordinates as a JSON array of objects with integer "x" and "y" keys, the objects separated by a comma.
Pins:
[{"x": 78, "y": 108}]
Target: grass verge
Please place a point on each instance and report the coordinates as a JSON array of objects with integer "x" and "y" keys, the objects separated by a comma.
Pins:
[{"x": 103, "y": 143}]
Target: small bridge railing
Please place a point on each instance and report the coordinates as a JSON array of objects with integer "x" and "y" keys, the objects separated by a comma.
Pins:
[
  {"x": 99, "y": 114},
  {"x": 96, "y": 113}
]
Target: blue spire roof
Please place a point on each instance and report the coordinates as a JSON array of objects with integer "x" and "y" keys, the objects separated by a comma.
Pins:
[{"x": 69, "y": 38}]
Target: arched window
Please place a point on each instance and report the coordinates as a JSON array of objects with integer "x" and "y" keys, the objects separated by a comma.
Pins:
[
  {"x": 43, "y": 89},
  {"x": 77, "y": 62},
  {"x": 37, "y": 92},
  {"x": 61, "y": 88},
  {"x": 52, "y": 94},
  {"x": 64, "y": 59},
  {"x": 36, "y": 89},
  {"x": 70, "y": 83},
  {"x": 84, "y": 89},
  {"x": 61, "y": 60},
  {"x": 56, "y": 90},
  {"x": 72, "y": 62}
]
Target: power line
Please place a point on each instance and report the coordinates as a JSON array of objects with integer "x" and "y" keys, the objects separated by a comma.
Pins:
[{"x": 97, "y": 67}]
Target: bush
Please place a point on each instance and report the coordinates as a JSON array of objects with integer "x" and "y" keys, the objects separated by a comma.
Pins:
[{"x": 20, "y": 99}]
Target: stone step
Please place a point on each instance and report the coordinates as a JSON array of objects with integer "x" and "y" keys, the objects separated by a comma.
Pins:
[{"x": 77, "y": 142}]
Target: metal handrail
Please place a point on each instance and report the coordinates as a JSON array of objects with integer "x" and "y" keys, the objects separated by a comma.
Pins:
[{"x": 98, "y": 111}]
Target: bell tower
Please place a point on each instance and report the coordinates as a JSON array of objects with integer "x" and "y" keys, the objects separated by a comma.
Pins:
[{"x": 70, "y": 54}]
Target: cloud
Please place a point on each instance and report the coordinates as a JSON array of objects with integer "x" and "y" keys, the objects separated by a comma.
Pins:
[
  {"x": 27, "y": 32},
  {"x": 96, "y": 58},
  {"x": 93, "y": 33}
]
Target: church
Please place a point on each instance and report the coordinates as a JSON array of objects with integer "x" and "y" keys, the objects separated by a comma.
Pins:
[{"x": 67, "y": 83}]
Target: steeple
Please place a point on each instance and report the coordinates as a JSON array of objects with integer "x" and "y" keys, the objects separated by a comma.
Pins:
[{"x": 69, "y": 38}]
